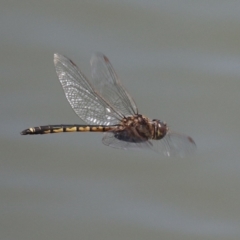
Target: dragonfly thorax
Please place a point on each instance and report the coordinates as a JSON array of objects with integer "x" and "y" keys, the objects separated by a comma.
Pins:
[
  {"x": 143, "y": 127},
  {"x": 138, "y": 125}
]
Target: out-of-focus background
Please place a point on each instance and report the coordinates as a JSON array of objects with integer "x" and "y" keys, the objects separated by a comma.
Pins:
[{"x": 180, "y": 60}]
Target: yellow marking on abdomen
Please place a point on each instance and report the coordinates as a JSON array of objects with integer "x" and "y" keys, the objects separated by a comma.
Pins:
[
  {"x": 47, "y": 131},
  {"x": 84, "y": 129},
  {"x": 32, "y": 129},
  {"x": 98, "y": 129},
  {"x": 70, "y": 129}
]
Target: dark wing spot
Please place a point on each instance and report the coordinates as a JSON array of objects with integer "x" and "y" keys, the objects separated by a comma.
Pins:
[
  {"x": 72, "y": 63},
  {"x": 191, "y": 140},
  {"x": 105, "y": 59}
]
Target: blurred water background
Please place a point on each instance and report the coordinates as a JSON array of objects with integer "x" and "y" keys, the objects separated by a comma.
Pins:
[{"x": 180, "y": 60}]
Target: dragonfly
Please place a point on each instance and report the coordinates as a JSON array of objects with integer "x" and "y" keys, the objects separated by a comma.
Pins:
[{"x": 105, "y": 106}]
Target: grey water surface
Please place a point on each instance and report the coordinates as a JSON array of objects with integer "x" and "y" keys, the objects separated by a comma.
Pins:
[{"x": 180, "y": 60}]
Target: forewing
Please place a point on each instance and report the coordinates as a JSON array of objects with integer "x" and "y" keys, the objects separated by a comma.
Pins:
[
  {"x": 84, "y": 100},
  {"x": 174, "y": 144},
  {"x": 108, "y": 85}
]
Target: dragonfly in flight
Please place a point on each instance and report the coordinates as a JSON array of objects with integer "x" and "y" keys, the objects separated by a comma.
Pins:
[{"x": 105, "y": 105}]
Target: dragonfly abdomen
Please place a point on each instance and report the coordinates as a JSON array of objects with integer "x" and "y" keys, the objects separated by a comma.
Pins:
[{"x": 66, "y": 128}]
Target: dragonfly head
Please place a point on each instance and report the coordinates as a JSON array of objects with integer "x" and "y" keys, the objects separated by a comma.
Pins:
[{"x": 160, "y": 128}]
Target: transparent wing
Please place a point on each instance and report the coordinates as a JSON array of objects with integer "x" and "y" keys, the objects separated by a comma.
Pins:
[
  {"x": 125, "y": 142},
  {"x": 84, "y": 100},
  {"x": 174, "y": 144},
  {"x": 108, "y": 85}
]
